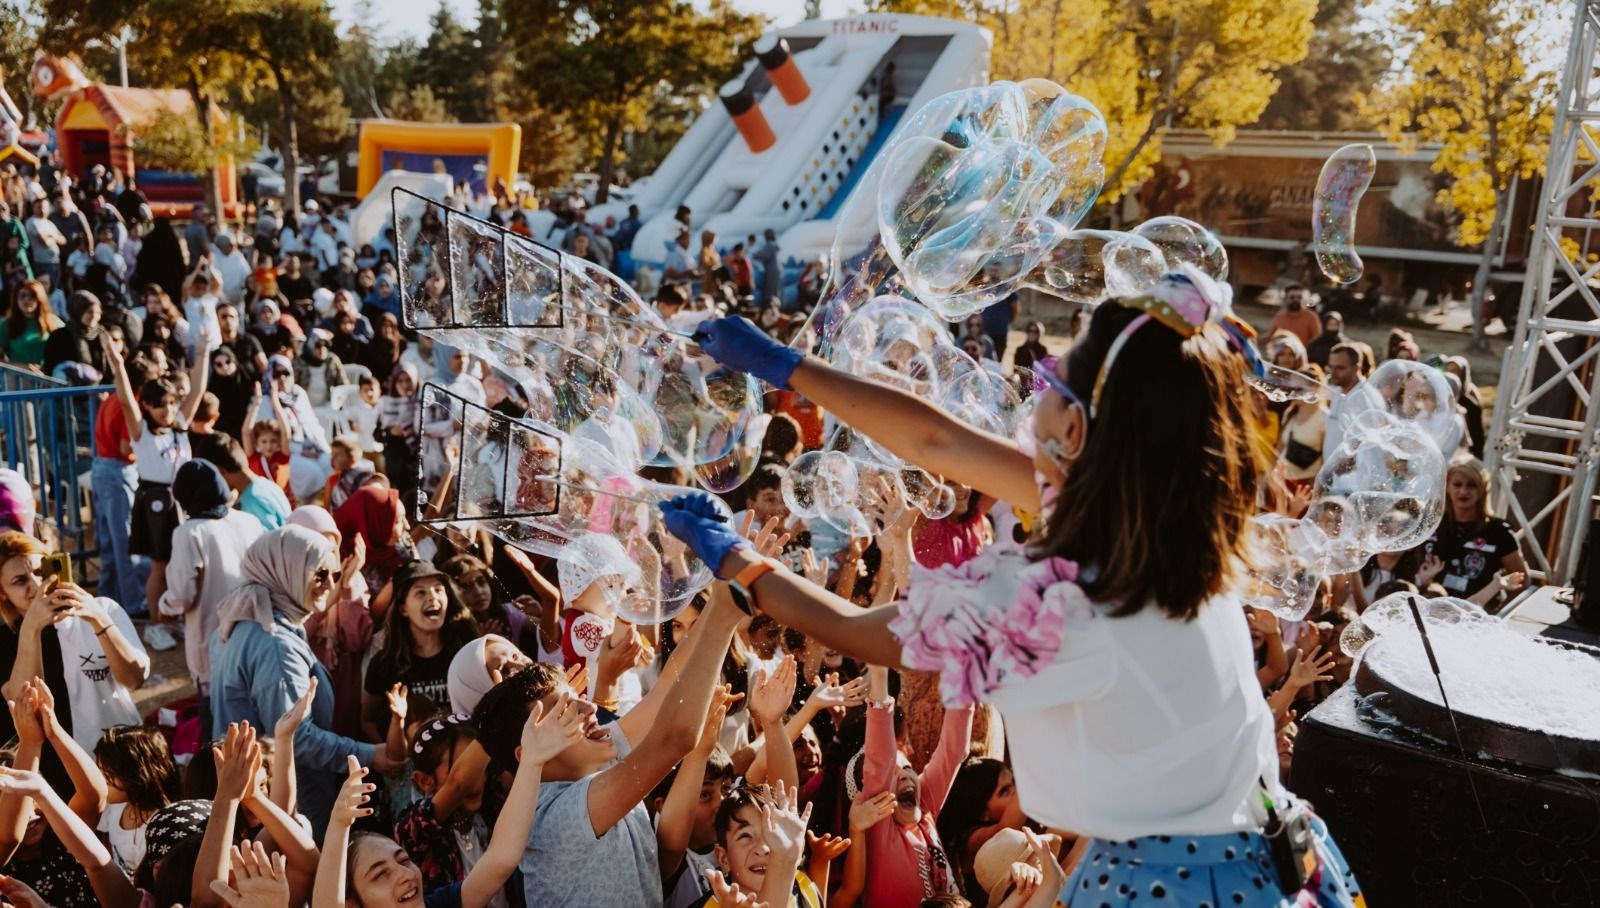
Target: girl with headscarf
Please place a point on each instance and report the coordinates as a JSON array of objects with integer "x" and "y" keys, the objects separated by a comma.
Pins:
[
  {"x": 262, "y": 661},
  {"x": 80, "y": 342},
  {"x": 480, "y": 665},
  {"x": 383, "y": 352},
  {"x": 373, "y": 515},
  {"x": 383, "y": 300},
  {"x": 1470, "y": 401},
  {"x": 233, "y": 389},
  {"x": 341, "y": 636}
]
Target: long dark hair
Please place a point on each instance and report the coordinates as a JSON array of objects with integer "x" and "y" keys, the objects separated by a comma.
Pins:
[
  {"x": 1171, "y": 451},
  {"x": 394, "y": 659},
  {"x": 138, "y": 760},
  {"x": 963, "y": 812}
]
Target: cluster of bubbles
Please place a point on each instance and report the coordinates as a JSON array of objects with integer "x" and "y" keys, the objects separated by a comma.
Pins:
[
  {"x": 1381, "y": 489},
  {"x": 608, "y": 388},
  {"x": 858, "y": 485}
]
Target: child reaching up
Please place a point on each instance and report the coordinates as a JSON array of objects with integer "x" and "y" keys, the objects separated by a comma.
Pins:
[
  {"x": 141, "y": 778},
  {"x": 906, "y": 862},
  {"x": 373, "y": 871}
]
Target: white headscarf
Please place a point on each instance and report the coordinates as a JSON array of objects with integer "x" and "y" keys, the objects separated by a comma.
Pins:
[
  {"x": 277, "y": 570},
  {"x": 469, "y": 679}
]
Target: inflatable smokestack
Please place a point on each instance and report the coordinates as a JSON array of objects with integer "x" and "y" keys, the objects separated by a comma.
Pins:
[
  {"x": 747, "y": 117},
  {"x": 773, "y": 52}
]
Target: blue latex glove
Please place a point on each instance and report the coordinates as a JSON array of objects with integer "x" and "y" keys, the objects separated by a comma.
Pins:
[
  {"x": 695, "y": 519},
  {"x": 738, "y": 344}
]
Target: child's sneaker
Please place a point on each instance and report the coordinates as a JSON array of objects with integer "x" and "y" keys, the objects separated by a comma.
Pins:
[{"x": 159, "y": 638}]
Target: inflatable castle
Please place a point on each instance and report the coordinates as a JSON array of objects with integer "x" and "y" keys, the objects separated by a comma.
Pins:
[
  {"x": 97, "y": 124},
  {"x": 15, "y": 137},
  {"x": 797, "y": 133}
]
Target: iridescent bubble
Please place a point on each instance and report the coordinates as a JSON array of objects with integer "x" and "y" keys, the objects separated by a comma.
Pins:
[
  {"x": 1336, "y": 544},
  {"x": 1182, "y": 241},
  {"x": 1280, "y": 384},
  {"x": 1344, "y": 179},
  {"x": 1409, "y": 392},
  {"x": 1280, "y": 579},
  {"x": 981, "y": 184},
  {"x": 1089, "y": 265},
  {"x": 1392, "y": 475}
]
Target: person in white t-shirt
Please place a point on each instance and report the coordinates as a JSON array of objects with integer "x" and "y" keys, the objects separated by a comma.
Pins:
[
  {"x": 1113, "y": 646},
  {"x": 102, "y": 661},
  {"x": 233, "y": 269},
  {"x": 200, "y": 304}
]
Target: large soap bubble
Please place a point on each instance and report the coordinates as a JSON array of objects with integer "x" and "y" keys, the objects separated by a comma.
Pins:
[
  {"x": 1409, "y": 392},
  {"x": 1183, "y": 242},
  {"x": 1392, "y": 475},
  {"x": 1343, "y": 181},
  {"x": 1090, "y": 265},
  {"x": 982, "y": 184},
  {"x": 1282, "y": 578}
]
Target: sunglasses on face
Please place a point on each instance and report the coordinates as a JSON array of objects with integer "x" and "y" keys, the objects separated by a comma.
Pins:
[
  {"x": 1053, "y": 382},
  {"x": 327, "y": 575}
]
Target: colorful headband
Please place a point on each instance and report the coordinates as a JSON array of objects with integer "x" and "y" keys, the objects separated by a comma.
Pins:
[
  {"x": 434, "y": 729},
  {"x": 1184, "y": 300}
]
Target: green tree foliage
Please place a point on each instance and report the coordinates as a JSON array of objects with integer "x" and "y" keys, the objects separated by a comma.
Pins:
[
  {"x": 1345, "y": 58},
  {"x": 600, "y": 59},
  {"x": 17, "y": 43}
]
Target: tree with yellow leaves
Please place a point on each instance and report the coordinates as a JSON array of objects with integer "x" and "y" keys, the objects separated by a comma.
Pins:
[
  {"x": 1470, "y": 83},
  {"x": 1147, "y": 64}
]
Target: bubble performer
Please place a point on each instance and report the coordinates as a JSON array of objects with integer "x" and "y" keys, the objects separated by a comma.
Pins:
[{"x": 1112, "y": 644}]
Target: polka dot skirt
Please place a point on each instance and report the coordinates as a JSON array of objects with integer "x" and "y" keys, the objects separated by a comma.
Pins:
[{"x": 1213, "y": 871}]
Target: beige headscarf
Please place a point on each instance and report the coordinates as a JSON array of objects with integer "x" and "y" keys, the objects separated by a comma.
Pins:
[{"x": 277, "y": 569}]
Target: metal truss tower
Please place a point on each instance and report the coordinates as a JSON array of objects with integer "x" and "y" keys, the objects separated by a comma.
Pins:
[{"x": 1544, "y": 444}]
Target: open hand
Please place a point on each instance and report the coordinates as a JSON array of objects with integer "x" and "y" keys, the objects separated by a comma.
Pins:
[
  {"x": 785, "y": 825},
  {"x": 20, "y": 894},
  {"x": 396, "y": 696},
  {"x": 546, "y": 735},
  {"x": 827, "y": 847},
  {"x": 772, "y": 694},
  {"x": 263, "y": 881},
  {"x": 1310, "y": 668},
  {"x": 238, "y": 762},
  {"x": 830, "y": 694},
  {"x": 867, "y": 812},
  {"x": 290, "y": 721},
  {"x": 729, "y": 895},
  {"x": 353, "y": 795}
]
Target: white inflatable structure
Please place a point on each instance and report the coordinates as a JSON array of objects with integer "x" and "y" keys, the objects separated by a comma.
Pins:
[{"x": 797, "y": 133}]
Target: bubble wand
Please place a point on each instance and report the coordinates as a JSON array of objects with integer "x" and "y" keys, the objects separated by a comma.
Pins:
[{"x": 1438, "y": 678}]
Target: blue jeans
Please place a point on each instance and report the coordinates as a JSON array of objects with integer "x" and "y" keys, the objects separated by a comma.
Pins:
[{"x": 122, "y": 575}]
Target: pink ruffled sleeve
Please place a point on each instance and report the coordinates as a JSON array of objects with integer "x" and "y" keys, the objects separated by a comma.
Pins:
[{"x": 994, "y": 620}]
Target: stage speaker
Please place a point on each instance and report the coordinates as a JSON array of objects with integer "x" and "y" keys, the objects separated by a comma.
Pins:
[
  {"x": 1586, "y": 583},
  {"x": 1403, "y": 811}
]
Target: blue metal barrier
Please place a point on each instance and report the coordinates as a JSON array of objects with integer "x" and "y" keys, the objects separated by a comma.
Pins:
[{"x": 47, "y": 434}]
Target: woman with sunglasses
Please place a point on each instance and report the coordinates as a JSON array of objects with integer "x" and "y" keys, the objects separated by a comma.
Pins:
[
  {"x": 262, "y": 661},
  {"x": 1113, "y": 644}
]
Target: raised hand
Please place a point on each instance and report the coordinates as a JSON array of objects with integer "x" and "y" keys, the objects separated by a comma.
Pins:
[
  {"x": 25, "y": 715},
  {"x": 830, "y": 694},
  {"x": 21, "y": 782},
  {"x": 578, "y": 677},
  {"x": 785, "y": 826},
  {"x": 813, "y": 569},
  {"x": 290, "y": 721},
  {"x": 1310, "y": 667},
  {"x": 722, "y": 696},
  {"x": 238, "y": 762},
  {"x": 358, "y": 559},
  {"x": 263, "y": 880},
  {"x": 623, "y": 650},
  {"x": 772, "y": 694},
  {"x": 827, "y": 847},
  {"x": 353, "y": 795},
  {"x": 20, "y": 894},
  {"x": 697, "y": 521},
  {"x": 738, "y": 344},
  {"x": 396, "y": 696},
  {"x": 729, "y": 895},
  {"x": 770, "y": 539},
  {"x": 867, "y": 812},
  {"x": 1432, "y": 567},
  {"x": 545, "y": 735}
]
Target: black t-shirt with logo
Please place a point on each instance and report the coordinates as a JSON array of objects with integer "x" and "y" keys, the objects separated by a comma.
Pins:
[{"x": 1471, "y": 553}]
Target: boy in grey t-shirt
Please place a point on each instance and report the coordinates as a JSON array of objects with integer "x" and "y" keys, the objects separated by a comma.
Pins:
[{"x": 594, "y": 846}]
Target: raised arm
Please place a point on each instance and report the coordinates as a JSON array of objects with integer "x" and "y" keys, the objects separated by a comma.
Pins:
[
  {"x": 16, "y": 808},
  {"x": 111, "y": 886},
  {"x": 617, "y": 789},
  {"x": 126, "y": 397},
  {"x": 544, "y": 736},
  {"x": 675, "y": 822},
  {"x": 281, "y": 785},
  {"x": 88, "y": 783},
  {"x": 198, "y": 374},
  {"x": 904, "y": 423},
  {"x": 351, "y": 805},
  {"x": 238, "y": 763}
]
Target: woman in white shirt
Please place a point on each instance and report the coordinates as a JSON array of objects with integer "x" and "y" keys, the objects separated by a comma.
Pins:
[{"x": 1113, "y": 645}]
